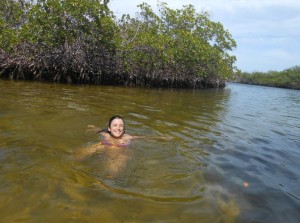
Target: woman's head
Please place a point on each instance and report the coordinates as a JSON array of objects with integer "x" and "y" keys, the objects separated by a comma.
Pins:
[{"x": 116, "y": 126}]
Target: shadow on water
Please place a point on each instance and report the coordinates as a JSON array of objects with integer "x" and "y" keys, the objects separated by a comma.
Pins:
[{"x": 221, "y": 166}]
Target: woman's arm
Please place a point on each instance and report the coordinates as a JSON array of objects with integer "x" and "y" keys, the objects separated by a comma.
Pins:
[
  {"x": 93, "y": 129},
  {"x": 150, "y": 137},
  {"x": 84, "y": 152}
]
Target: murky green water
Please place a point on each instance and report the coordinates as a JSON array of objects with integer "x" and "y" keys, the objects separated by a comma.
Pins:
[{"x": 234, "y": 156}]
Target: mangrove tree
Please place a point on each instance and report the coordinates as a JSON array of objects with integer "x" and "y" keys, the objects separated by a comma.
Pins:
[{"x": 82, "y": 42}]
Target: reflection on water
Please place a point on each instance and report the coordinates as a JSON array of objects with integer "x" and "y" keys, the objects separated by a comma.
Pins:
[{"x": 233, "y": 158}]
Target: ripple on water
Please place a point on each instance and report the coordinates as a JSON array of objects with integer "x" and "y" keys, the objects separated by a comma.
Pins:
[{"x": 139, "y": 116}]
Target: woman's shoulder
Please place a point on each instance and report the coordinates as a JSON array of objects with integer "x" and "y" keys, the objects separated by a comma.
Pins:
[{"x": 127, "y": 137}]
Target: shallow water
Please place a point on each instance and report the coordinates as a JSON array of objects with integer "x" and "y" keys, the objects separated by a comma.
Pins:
[{"x": 234, "y": 156}]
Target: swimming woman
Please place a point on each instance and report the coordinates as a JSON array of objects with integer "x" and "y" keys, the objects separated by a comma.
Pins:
[{"x": 115, "y": 139}]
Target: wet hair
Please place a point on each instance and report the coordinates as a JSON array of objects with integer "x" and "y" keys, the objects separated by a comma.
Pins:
[
  {"x": 104, "y": 130},
  {"x": 115, "y": 117},
  {"x": 110, "y": 121}
]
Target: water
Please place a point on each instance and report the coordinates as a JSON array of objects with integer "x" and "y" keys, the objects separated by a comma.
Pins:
[{"x": 234, "y": 156}]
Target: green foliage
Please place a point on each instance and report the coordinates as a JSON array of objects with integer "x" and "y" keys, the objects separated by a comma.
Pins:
[
  {"x": 181, "y": 42},
  {"x": 288, "y": 78},
  {"x": 80, "y": 41},
  {"x": 54, "y": 23},
  {"x": 12, "y": 17},
  {"x": 59, "y": 39}
]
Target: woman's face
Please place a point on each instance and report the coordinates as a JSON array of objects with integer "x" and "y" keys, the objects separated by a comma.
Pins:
[{"x": 117, "y": 128}]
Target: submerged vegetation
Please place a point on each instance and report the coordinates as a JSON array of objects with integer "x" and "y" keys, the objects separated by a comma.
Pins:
[
  {"x": 288, "y": 78},
  {"x": 78, "y": 41}
]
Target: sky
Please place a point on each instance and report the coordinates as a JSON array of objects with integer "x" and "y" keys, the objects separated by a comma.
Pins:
[{"x": 267, "y": 32}]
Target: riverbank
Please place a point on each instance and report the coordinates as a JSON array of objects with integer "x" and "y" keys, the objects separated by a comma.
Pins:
[
  {"x": 288, "y": 78},
  {"x": 18, "y": 67}
]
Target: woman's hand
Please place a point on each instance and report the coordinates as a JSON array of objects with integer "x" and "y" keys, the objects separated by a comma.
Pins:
[{"x": 92, "y": 129}]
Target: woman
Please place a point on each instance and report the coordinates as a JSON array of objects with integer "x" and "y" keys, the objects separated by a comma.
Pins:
[
  {"x": 115, "y": 139},
  {"x": 115, "y": 134}
]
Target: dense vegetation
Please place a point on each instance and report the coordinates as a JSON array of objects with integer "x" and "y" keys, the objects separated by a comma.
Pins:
[
  {"x": 76, "y": 41},
  {"x": 288, "y": 78}
]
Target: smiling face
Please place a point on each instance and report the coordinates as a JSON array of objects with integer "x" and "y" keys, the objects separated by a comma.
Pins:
[{"x": 117, "y": 128}]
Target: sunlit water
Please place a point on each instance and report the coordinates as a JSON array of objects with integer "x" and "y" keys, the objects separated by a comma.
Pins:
[{"x": 234, "y": 156}]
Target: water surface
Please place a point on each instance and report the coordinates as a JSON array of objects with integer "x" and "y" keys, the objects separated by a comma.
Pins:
[{"x": 233, "y": 157}]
